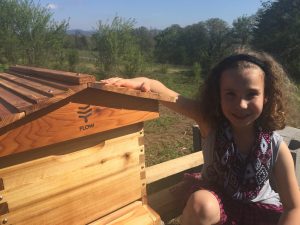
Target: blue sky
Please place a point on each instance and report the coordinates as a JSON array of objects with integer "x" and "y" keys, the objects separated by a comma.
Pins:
[{"x": 84, "y": 14}]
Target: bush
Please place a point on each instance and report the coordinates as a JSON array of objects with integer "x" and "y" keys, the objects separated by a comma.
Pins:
[
  {"x": 164, "y": 68},
  {"x": 73, "y": 59},
  {"x": 196, "y": 70}
]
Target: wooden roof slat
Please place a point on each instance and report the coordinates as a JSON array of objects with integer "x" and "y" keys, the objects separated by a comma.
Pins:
[
  {"x": 53, "y": 84},
  {"x": 13, "y": 100},
  {"x": 73, "y": 78},
  {"x": 132, "y": 92},
  {"x": 10, "y": 118},
  {"x": 45, "y": 90},
  {"x": 22, "y": 92},
  {"x": 6, "y": 109}
]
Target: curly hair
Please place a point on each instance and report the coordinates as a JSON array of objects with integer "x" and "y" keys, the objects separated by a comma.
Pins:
[{"x": 273, "y": 116}]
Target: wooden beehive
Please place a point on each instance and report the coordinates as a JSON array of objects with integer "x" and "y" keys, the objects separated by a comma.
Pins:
[{"x": 72, "y": 150}]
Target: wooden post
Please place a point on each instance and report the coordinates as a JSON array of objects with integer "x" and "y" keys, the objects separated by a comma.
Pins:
[{"x": 196, "y": 138}]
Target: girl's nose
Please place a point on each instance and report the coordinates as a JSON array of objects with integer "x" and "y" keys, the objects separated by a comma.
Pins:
[{"x": 243, "y": 103}]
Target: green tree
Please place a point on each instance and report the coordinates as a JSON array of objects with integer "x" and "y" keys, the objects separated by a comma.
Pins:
[
  {"x": 168, "y": 48},
  {"x": 117, "y": 48},
  {"x": 204, "y": 42},
  {"x": 28, "y": 33},
  {"x": 146, "y": 41},
  {"x": 242, "y": 30},
  {"x": 218, "y": 45},
  {"x": 278, "y": 32},
  {"x": 195, "y": 40},
  {"x": 73, "y": 59}
]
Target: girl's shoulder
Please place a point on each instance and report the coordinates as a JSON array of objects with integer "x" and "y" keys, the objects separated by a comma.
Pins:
[{"x": 276, "y": 140}]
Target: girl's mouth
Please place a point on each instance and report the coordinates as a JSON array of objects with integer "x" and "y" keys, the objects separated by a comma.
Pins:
[{"x": 239, "y": 117}]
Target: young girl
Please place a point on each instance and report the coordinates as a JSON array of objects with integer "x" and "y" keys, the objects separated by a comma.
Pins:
[{"x": 240, "y": 108}]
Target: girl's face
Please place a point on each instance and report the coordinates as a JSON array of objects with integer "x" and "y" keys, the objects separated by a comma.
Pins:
[{"x": 242, "y": 96}]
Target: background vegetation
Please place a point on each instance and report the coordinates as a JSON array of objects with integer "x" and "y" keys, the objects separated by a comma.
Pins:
[{"x": 178, "y": 56}]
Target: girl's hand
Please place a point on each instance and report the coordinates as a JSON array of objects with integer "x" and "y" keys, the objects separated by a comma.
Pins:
[{"x": 139, "y": 83}]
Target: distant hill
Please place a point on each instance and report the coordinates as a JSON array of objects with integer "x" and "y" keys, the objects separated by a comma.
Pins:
[{"x": 82, "y": 32}]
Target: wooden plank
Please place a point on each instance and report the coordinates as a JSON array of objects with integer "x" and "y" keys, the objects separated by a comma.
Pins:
[
  {"x": 102, "y": 152},
  {"x": 78, "y": 205},
  {"x": 47, "y": 82},
  {"x": 65, "y": 123},
  {"x": 6, "y": 109},
  {"x": 167, "y": 204},
  {"x": 74, "y": 78},
  {"x": 25, "y": 93},
  {"x": 117, "y": 214},
  {"x": 13, "y": 100},
  {"x": 8, "y": 118},
  {"x": 37, "y": 87},
  {"x": 74, "y": 187},
  {"x": 75, "y": 145},
  {"x": 132, "y": 92},
  {"x": 171, "y": 167},
  {"x": 133, "y": 214}
]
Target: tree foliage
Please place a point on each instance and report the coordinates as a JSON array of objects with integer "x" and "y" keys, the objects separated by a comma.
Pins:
[
  {"x": 204, "y": 42},
  {"x": 28, "y": 34},
  {"x": 242, "y": 30},
  {"x": 278, "y": 32},
  {"x": 117, "y": 48}
]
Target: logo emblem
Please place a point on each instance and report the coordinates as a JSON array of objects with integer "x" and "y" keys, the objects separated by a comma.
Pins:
[{"x": 84, "y": 112}]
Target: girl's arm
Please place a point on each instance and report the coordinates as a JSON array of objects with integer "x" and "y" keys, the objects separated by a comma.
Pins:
[
  {"x": 287, "y": 186},
  {"x": 184, "y": 106}
]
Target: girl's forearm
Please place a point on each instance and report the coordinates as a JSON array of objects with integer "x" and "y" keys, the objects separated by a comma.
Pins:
[
  {"x": 158, "y": 87},
  {"x": 182, "y": 105},
  {"x": 290, "y": 217}
]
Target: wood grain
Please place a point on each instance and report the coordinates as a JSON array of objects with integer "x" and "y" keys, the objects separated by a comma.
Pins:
[
  {"x": 29, "y": 84},
  {"x": 74, "y": 78},
  {"x": 133, "y": 214},
  {"x": 132, "y": 92},
  {"x": 174, "y": 166},
  {"x": 76, "y": 187},
  {"x": 25, "y": 93},
  {"x": 65, "y": 123}
]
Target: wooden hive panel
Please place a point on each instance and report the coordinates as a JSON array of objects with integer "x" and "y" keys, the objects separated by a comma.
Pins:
[
  {"x": 74, "y": 185},
  {"x": 73, "y": 119},
  {"x": 133, "y": 214}
]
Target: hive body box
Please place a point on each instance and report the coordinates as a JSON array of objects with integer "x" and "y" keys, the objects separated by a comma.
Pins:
[{"x": 72, "y": 150}]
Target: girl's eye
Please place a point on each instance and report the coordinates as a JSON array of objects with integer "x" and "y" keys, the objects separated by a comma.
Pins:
[
  {"x": 252, "y": 94},
  {"x": 230, "y": 94}
]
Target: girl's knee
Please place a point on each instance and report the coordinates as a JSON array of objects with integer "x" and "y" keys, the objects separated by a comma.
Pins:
[{"x": 202, "y": 206}]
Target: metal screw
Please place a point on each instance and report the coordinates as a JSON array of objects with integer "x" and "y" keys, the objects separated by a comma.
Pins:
[
  {"x": 4, "y": 221},
  {"x": 50, "y": 91},
  {"x": 1, "y": 197}
]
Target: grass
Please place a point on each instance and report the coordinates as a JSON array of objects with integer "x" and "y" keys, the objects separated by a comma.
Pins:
[
  {"x": 167, "y": 137},
  {"x": 3, "y": 67},
  {"x": 170, "y": 136}
]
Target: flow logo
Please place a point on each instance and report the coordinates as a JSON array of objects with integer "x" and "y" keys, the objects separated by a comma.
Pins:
[{"x": 84, "y": 112}]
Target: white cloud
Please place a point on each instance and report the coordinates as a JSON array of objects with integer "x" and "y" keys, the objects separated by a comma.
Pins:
[{"x": 51, "y": 6}]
